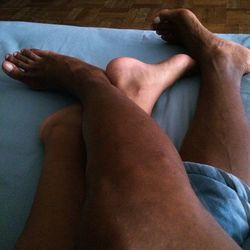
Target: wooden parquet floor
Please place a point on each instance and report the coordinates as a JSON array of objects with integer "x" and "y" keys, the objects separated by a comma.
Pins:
[{"x": 222, "y": 16}]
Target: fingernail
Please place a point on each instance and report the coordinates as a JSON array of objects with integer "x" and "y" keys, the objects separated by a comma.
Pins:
[
  {"x": 8, "y": 66},
  {"x": 157, "y": 20},
  {"x": 15, "y": 53},
  {"x": 7, "y": 56}
]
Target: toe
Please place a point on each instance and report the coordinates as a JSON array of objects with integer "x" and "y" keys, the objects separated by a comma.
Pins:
[
  {"x": 30, "y": 54},
  {"x": 7, "y": 56},
  {"x": 164, "y": 26},
  {"x": 18, "y": 63},
  {"x": 163, "y": 32},
  {"x": 40, "y": 52},
  {"x": 12, "y": 70},
  {"x": 24, "y": 59},
  {"x": 170, "y": 38}
]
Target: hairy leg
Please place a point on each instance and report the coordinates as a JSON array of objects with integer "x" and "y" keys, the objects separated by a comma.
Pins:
[
  {"x": 219, "y": 134},
  {"x": 137, "y": 193},
  {"x": 54, "y": 220}
]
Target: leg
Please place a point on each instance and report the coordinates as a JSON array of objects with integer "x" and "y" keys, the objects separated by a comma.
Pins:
[
  {"x": 70, "y": 119},
  {"x": 219, "y": 134},
  {"x": 56, "y": 212},
  {"x": 137, "y": 193}
]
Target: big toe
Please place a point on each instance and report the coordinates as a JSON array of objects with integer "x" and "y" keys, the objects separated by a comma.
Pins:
[
  {"x": 170, "y": 24},
  {"x": 12, "y": 70}
]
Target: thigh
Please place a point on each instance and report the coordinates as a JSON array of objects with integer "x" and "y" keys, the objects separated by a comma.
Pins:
[{"x": 147, "y": 213}]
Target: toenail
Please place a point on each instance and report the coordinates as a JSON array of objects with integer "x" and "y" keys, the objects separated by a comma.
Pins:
[
  {"x": 157, "y": 20},
  {"x": 8, "y": 66}
]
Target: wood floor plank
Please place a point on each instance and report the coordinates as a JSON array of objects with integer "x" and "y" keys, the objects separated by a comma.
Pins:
[{"x": 224, "y": 16}]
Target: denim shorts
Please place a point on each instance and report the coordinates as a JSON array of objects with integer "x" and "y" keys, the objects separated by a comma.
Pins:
[{"x": 225, "y": 196}]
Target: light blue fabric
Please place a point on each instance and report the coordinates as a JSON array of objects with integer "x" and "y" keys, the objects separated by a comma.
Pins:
[
  {"x": 22, "y": 110},
  {"x": 225, "y": 196}
]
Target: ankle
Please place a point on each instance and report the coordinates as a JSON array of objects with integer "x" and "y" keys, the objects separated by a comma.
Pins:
[{"x": 223, "y": 64}]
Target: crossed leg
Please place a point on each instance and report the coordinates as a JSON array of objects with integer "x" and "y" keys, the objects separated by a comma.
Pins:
[
  {"x": 137, "y": 193},
  {"x": 60, "y": 135},
  {"x": 60, "y": 193}
]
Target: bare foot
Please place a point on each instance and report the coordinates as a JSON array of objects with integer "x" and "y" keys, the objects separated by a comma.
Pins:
[
  {"x": 42, "y": 70},
  {"x": 182, "y": 26},
  {"x": 144, "y": 83}
]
